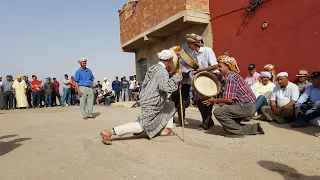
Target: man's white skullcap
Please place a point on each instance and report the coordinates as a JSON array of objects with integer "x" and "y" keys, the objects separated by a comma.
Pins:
[
  {"x": 104, "y": 78},
  {"x": 282, "y": 74},
  {"x": 82, "y": 59},
  {"x": 165, "y": 55},
  {"x": 265, "y": 74}
]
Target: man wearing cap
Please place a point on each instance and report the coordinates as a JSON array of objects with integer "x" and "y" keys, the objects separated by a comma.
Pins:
[
  {"x": 156, "y": 109},
  {"x": 7, "y": 93},
  {"x": 207, "y": 61},
  {"x": 283, "y": 99},
  {"x": 84, "y": 85},
  {"x": 238, "y": 99},
  {"x": 66, "y": 98},
  {"x": 20, "y": 90},
  {"x": 263, "y": 90},
  {"x": 303, "y": 80},
  {"x": 253, "y": 76},
  {"x": 306, "y": 112}
]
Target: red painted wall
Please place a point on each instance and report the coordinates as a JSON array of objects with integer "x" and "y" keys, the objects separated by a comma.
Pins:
[{"x": 291, "y": 41}]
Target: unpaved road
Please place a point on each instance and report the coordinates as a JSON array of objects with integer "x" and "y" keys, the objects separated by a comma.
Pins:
[{"x": 56, "y": 144}]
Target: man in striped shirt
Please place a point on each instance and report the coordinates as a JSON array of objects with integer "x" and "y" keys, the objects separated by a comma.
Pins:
[{"x": 239, "y": 102}]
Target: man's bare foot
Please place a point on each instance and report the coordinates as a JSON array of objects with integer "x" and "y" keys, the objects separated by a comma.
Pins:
[
  {"x": 106, "y": 136},
  {"x": 167, "y": 132}
]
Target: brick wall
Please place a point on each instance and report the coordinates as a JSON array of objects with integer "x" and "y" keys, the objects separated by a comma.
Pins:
[{"x": 149, "y": 13}]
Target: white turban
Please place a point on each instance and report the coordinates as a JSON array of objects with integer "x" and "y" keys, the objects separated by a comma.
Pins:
[
  {"x": 82, "y": 59},
  {"x": 165, "y": 55},
  {"x": 265, "y": 74},
  {"x": 282, "y": 74}
]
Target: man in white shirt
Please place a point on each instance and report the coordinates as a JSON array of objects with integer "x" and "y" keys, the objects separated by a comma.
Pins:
[
  {"x": 132, "y": 83},
  {"x": 263, "y": 90},
  {"x": 283, "y": 99},
  {"x": 207, "y": 61},
  {"x": 106, "y": 85},
  {"x": 66, "y": 98}
]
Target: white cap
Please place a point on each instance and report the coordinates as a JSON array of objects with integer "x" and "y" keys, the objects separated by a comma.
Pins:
[
  {"x": 265, "y": 74},
  {"x": 81, "y": 60},
  {"x": 165, "y": 55},
  {"x": 104, "y": 78},
  {"x": 282, "y": 74}
]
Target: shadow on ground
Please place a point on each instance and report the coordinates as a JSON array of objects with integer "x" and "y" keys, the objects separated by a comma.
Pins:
[
  {"x": 286, "y": 171},
  {"x": 217, "y": 129},
  {"x": 8, "y": 146},
  {"x": 96, "y": 114},
  {"x": 310, "y": 130}
]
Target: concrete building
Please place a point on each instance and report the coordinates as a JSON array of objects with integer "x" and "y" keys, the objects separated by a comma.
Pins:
[
  {"x": 147, "y": 27},
  {"x": 290, "y": 41}
]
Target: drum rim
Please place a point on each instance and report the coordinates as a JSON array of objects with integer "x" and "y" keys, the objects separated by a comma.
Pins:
[
  {"x": 185, "y": 56},
  {"x": 211, "y": 76}
]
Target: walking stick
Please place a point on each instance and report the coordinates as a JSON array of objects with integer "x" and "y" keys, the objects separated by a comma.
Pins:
[{"x": 182, "y": 115}]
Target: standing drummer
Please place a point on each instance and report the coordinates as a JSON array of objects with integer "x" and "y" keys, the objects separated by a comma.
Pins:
[
  {"x": 207, "y": 61},
  {"x": 184, "y": 85}
]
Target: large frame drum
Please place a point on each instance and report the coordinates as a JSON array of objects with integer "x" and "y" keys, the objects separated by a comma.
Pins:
[
  {"x": 206, "y": 85},
  {"x": 188, "y": 59}
]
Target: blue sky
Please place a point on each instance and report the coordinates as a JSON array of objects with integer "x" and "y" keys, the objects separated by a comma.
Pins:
[{"x": 46, "y": 38}]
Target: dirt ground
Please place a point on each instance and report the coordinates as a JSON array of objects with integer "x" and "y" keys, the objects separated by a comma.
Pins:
[{"x": 55, "y": 144}]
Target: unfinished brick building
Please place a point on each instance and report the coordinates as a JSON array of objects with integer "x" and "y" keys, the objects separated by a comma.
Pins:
[{"x": 147, "y": 27}]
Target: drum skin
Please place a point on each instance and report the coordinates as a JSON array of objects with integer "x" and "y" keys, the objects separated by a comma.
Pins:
[{"x": 206, "y": 85}]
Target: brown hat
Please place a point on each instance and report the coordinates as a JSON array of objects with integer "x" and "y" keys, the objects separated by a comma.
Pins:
[{"x": 302, "y": 73}]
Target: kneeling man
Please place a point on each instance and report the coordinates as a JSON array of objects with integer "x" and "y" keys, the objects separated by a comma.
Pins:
[
  {"x": 239, "y": 102},
  {"x": 156, "y": 109}
]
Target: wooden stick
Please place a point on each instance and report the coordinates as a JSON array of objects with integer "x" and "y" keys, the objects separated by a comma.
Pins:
[{"x": 182, "y": 117}]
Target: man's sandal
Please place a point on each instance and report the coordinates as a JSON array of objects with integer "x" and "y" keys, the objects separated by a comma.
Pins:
[{"x": 105, "y": 140}]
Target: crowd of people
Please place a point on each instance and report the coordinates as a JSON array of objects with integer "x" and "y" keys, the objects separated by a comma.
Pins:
[
  {"x": 22, "y": 93},
  {"x": 266, "y": 96}
]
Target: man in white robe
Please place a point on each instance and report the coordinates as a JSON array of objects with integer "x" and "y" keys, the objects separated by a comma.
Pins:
[{"x": 20, "y": 89}]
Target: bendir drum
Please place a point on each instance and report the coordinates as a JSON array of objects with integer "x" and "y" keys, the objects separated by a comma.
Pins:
[{"x": 206, "y": 85}]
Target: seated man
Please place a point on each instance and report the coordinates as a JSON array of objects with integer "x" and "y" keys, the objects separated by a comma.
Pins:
[
  {"x": 239, "y": 102},
  {"x": 303, "y": 80},
  {"x": 136, "y": 92},
  {"x": 253, "y": 76},
  {"x": 156, "y": 109},
  {"x": 263, "y": 90},
  {"x": 307, "y": 112},
  {"x": 283, "y": 98},
  {"x": 108, "y": 97}
]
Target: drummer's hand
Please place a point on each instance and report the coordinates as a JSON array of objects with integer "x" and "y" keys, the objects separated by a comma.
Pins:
[
  {"x": 179, "y": 71},
  {"x": 209, "y": 101},
  {"x": 195, "y": 72}
]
